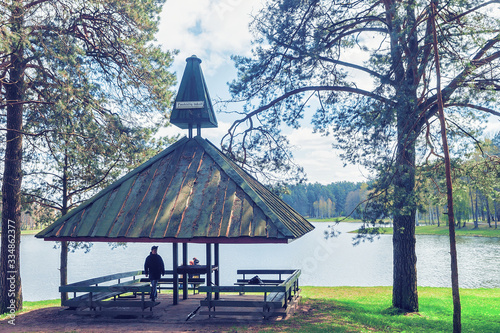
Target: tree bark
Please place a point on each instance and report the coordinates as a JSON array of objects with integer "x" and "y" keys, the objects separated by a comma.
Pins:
[
  {"x": 11, "y": 298},
  {"x": 63, "y": 271},
  {"x": 457, "y": 312},
  {"x": 476, "y": 218},
  {"x": 471, "y": 202},
  {"x": 437, "y": 214},
  {"x": 488, "y": 214},
  {"x": 404, "y": 293}
]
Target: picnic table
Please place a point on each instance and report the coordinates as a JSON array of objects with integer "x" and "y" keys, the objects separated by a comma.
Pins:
[{"x": 194, "y": 281}]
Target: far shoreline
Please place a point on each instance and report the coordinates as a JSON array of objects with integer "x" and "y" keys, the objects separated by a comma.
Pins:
[{"x": 468, "y": 231}]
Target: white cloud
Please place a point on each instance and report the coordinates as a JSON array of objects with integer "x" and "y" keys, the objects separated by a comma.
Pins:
[
  {"x": 320, "y": 161},
  {"x": 212, "y": 30},
  {"x": 493, "y": 127}
]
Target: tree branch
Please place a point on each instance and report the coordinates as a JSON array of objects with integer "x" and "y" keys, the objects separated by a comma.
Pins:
[
  {"x": 475, "y": 63},
  {"x": 477, "y": 107},
  {"x": 249, "y": 116}
]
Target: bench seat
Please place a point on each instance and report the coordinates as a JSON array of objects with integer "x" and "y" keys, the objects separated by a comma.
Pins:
[
  {"x": 241, "y": 282},
  {"x": 276, "y": 298}
]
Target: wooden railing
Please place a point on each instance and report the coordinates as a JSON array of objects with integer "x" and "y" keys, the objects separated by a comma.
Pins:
[{"x": 107, "y": 292}]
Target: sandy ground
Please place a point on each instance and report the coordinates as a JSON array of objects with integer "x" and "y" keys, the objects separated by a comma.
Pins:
[{"x": 166, "y": 318}]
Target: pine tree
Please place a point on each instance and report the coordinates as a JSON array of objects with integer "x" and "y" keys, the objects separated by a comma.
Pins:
[
  {"x": 94, "y": 57},
  {"x": 369, "y": 65}
]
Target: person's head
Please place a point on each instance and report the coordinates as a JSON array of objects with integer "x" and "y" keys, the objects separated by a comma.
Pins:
[{"x": 154, "y": 249}]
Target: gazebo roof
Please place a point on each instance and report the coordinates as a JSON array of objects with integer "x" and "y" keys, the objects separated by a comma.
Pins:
[{"x": 190, "y": 192}]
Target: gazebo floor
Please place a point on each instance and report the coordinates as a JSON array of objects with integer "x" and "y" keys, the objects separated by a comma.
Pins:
[
  {"x": 179, "y": 313},
  {"x": 166, "y": 318}
]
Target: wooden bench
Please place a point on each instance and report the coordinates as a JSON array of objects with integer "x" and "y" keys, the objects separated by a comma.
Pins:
[
  {"x": 95, "y": 296},
  {"x": 247, "y": 274},
  {"x": 280, "y": 295}
]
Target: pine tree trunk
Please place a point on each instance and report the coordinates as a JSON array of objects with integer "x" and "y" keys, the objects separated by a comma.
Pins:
[
  {"x": 437, "y": 214},
  {"x": 63, "y": 272},
  {"x": 497, "y": 214},
  {"x": 404, "y": 294},
  {"x": 11, "y": 298},
  {"x": 457, "y": 309},
  {"x": 488, "y": 218},
  {"x": 476, "y": 217},
  {"x": 471, "y": 203}
]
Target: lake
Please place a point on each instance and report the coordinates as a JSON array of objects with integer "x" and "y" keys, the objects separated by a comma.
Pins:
[{"x": 324, "y": 262}]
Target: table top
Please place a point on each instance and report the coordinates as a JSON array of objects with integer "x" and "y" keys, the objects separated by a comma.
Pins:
[{"x": 195, "y": 269}]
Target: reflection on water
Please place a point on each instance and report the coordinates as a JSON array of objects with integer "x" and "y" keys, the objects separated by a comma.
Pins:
[{"x": 324, "y": 262}]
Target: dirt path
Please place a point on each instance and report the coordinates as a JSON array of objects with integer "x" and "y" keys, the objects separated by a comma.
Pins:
[{"x": 166, "y": 318}]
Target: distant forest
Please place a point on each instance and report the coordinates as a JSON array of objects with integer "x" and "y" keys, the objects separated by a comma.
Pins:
[{"x": 326, "y": 201}]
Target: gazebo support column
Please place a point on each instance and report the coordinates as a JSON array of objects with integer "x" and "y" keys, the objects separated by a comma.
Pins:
[
  {"x": 184, "y": 276},
  {"x": 209, "y": 271},
  {"x": 216, "y": 263},
  {"x": 175, "y": 264}
]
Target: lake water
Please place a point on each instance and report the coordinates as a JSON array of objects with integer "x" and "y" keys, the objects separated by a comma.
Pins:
[{"x": 324, "y": 262}]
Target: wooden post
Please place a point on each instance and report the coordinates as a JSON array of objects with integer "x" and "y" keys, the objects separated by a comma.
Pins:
[
  {"x": 175, "y": 264},
  {"x": 185, "y": 275},
  {"x": 209, "y": 274},
  {"x": 216, "y": 263}
]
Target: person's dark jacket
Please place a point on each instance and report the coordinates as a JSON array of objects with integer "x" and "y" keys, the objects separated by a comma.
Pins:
[{"x": 154, "y": 266}]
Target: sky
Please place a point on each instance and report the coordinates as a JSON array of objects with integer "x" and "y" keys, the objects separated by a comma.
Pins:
[{"x": 213, "y": 30}]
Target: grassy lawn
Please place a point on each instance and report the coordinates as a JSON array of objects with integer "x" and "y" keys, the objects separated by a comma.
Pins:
[
  {"x": 367, "y": 309},
  {"x": 29, "y": 232},
  {"x": 29, "y": 306},
  {"x": 482, "y": 231}
]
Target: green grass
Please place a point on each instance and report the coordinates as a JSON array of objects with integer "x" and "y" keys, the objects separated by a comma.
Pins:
[
  {"x": 368, "y": 309},
  {"x": 30, "y": 306},
  {"x": 29, "y": 232},
  {"x": 482, "y": 231}
]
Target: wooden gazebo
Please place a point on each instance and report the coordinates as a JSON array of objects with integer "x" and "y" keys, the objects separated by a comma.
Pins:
[{"x": 189, "y": 193}]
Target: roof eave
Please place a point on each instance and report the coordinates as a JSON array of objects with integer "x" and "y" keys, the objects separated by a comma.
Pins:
[{"x": 201, "y": 240}]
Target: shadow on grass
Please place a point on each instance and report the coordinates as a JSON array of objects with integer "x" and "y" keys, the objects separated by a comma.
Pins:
[
  {"x": 322, "y": 316},
  {"x": 316, "y": 315}
]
